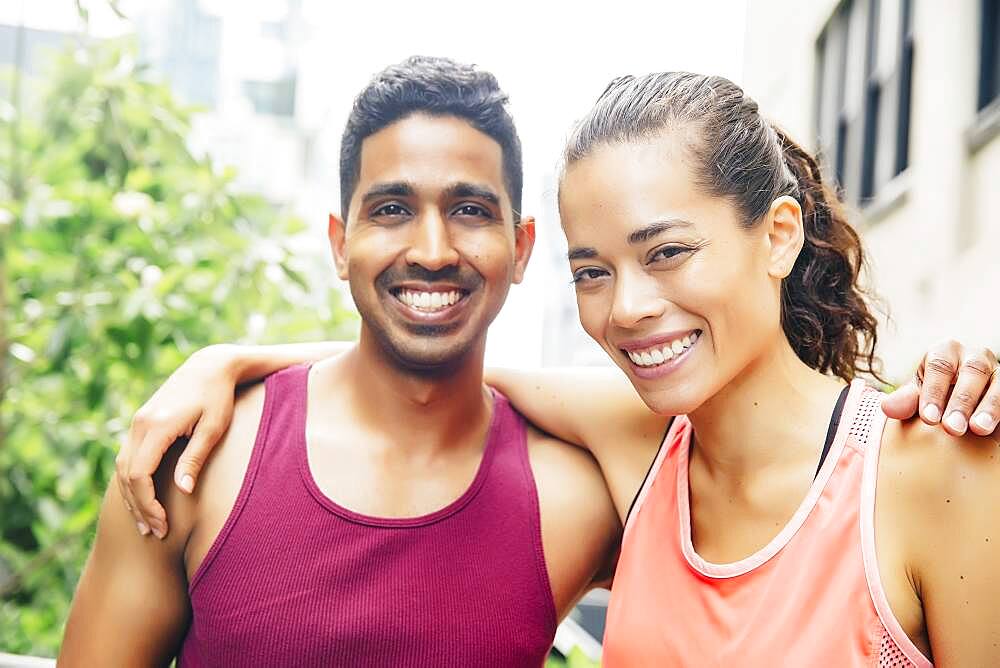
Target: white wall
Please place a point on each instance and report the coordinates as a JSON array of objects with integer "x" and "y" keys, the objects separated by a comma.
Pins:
[{"x": 932, "y": 234}]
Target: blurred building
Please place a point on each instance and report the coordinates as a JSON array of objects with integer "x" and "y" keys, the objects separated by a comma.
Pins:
[
  {"x": 242, "y": 70},
  {"x": 28, "y": 48},
  {"x": 901, "y": 99}
]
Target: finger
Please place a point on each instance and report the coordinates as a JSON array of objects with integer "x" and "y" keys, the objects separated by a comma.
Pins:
[
  {"x": 140, "y": 476},
  {"x": 987, "y": 414},
  {"x": 973, "y": 377},
  {"x": 206, "y": 436},
  {"x": 939, "y": 370},
  {"x": 902, "y": 403},
  {"x": 141, "y": 488},
  {"x": 136, "y": 433},
  {"x": 120, "y": 468},
  {"x": 121, "y": 478}
]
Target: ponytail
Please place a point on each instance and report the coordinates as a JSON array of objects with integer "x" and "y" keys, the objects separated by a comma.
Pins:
[{"x": 824, "y": 310}]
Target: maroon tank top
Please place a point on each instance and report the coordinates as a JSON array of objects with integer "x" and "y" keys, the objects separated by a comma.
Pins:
[{"x": 293, "y": 579}]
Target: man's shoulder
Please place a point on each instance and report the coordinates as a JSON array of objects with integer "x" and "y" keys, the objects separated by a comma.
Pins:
[
  {"x": 566, "y": 475},
  {"x": 553, "y": 456},
  {"x": 232, "y": 455}
]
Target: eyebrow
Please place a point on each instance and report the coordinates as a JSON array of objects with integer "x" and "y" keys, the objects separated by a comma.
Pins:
[
  {"x": 639, "y": 236},
  {"x": 581, "y": 253},
  {"x": 464, "y": 189},
  {"x": 404, "y": 189},
  {"x": 390, "y": 189},
  {"x": 650, "y": 231}
]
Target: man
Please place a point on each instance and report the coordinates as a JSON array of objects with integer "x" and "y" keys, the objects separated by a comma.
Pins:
[{"x": 382, "y": 507}]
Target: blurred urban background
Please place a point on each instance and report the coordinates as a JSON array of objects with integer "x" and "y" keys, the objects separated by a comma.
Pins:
[{"x": 167, "y": 167}]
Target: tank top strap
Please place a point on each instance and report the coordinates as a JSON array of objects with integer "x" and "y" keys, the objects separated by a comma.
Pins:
[
  {"x": 866, "y": 432},
  {"x": 862, "y": 417},
  {"x": 286, "y": 400},
  {"x": 507, "y": 423},
  {"x": 271, "y": 457},
  {"x": 675, "y": 436}
]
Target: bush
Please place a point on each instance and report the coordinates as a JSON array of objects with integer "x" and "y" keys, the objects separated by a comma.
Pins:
[{"x": 120, "y": 254}]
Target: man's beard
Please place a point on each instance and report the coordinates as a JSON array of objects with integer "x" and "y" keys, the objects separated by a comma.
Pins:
[{"x": 408, "y": 353}]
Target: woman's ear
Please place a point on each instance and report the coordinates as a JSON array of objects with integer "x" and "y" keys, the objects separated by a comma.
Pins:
[{"x": 785, "y": 235}]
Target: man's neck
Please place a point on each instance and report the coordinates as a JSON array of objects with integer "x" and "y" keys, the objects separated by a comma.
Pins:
[{"x": 415, "y": 408}]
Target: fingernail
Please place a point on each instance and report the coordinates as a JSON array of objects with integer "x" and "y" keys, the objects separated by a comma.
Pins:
[
  {"x": 159, "y": 533},
  {"x": 143, "y": 529},
  {"x": 984, "y": 421},
  {"x": 956, "y": 421},
  {"x": 932, "y": 413},
  {"x": 187, "y": 483}
]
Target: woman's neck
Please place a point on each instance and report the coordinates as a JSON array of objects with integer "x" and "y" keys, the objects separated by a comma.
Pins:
[{"x": 774, "y": 413}]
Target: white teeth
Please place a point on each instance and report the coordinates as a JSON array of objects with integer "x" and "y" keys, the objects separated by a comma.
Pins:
[
  {"x": 665, "y": 353},
  {"x": 429, "y": 301}
]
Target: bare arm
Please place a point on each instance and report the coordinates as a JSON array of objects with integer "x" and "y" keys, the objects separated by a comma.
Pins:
[
  {"x": 937, "y": 499},
  {"x": 960, "y": 571},
  {"x": 595, "y": 408},
  {"x": 131, "y": 605}
]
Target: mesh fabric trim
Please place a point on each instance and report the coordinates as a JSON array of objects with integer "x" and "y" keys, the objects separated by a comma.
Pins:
[{"x": 889, "y": 654}]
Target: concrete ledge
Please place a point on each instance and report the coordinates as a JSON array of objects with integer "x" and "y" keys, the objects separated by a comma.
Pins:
[
  {"x": 17, "y": 661},
  {"x": 985, "y": 127}
]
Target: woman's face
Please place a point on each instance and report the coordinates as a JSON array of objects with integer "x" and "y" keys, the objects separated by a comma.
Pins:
[{"x": 680, "y": 296}]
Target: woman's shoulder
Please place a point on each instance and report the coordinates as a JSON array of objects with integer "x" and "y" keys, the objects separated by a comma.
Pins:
[
  {"x": 941, "y": 488},
  {"x": 927, "y": 460}
]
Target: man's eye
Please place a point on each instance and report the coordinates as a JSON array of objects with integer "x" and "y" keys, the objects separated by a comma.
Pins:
[
  {"x": 390, "y": 210},
  {"x": 473, "y": 210},
  {"x": 587, "y": 274}
]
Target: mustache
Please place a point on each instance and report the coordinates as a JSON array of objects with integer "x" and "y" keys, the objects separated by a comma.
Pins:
[{"x": 462, "y": 277}]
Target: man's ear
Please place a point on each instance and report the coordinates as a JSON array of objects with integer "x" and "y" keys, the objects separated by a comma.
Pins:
[
  {"x": 524, "y": 241},
  {"x": 785, "y": 235},
  {"x": 337, "y": 231}
]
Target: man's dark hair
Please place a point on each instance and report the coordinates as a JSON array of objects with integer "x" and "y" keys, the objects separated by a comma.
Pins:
[{"x": 438, "y": 87}]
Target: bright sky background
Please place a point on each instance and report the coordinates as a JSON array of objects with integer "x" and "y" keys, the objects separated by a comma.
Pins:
[{"x": 553, "y": 58}]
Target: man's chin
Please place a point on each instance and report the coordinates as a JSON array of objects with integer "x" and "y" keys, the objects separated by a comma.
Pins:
[{"x": 442, "y": 357}]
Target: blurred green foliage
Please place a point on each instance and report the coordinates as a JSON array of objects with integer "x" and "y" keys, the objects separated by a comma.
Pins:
[
  {"x": 575, "y": 659},
  {"x": 120, "y": 254}
]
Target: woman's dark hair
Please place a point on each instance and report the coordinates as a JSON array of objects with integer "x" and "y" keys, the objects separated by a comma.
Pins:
[
  {"x": 737, "y": 154},
  {"x": 438, "y": 87}
]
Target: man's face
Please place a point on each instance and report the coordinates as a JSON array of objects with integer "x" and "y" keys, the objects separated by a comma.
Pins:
[{"x": 429, "y": 246}]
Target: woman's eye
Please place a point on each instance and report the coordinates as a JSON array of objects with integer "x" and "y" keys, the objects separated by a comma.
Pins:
[
  {"x": 669, "y": 252},
  {"x": 390, "y": 210},
  {"x": 587, "y": 274}
]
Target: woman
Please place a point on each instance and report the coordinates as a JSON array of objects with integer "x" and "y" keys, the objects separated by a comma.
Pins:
[
  {"x": 715, "y": 269},
  {"x": 782, "y": 521}
]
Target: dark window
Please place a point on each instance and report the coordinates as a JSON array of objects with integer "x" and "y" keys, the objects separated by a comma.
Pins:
[
  {"x": 864, "y": 66},
  {"x": 989, "y": 58}
]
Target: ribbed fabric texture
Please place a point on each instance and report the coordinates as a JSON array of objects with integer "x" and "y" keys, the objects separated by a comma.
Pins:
[{"x": 293, "y": 579}]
